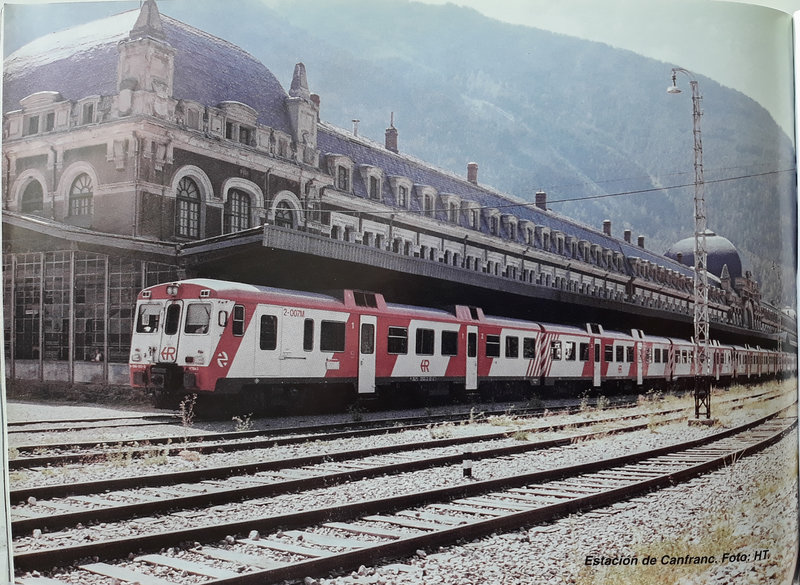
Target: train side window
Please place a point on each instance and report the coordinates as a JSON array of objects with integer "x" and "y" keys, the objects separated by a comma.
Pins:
[
  {"x": 629, "y": 354},
  {"x": 308, "y": 335},
  {"x": 656, "y": 355},
  {"x": 237, "y": 326},
  {"x": 620, "y": 353},
  {"x": 397, "y": 342},
  {"x": 597, "y": 352},
  {"x": 147, "y": 321},
  {"x": 569, "y": 350},
  {"x": 555, "y": 350},
  {"x": 528, "y": 348},
  {"x": 608, "y": 353},
  {"x": 367, "y": 338},
  {"x": 449, "y": 342},
  {"x": 425, "y": 341},
  {"x": 493, "y": 346},
  {"x": 268, "y": 335},
  {"x": 173, "y": 320},
  {"x": 584, "y": 352},
  {"x": 512, "y": 347},
  {"x": 331, "y": 336}
]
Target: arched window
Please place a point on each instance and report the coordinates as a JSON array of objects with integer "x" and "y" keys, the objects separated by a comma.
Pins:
[
  {"x": 187, "y": 209},
  {"x": 237, "y": 211},
  {"x": 32, "y": 198},
  {"x": 80, "y": 195},
  {"x": 284, "y": 216}
]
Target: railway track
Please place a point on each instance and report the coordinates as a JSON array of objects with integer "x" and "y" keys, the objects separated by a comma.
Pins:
[
  {"x": 292, "y": 545},
  {"x": 53, "y": 454},
  {"x": 49, "y": 453}
]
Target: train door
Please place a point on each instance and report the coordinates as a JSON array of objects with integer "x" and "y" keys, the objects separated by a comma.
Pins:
[
  {"x": 267, "y": 357},
  {"x": 597, "y": 364},
  {"x": 639, "y": 353},
  {"x": 472, "y": 358},
  {"x": 170, "y": 334},
  {"x": 366, "y": 354}
]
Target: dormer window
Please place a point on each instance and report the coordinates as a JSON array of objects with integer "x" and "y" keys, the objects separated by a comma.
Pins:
[
  {"x": 87, "y": 116},
  {"x": 342, "y": 178},
  {"x": 401, "y": 189},
  {"x": 49, "y": 121},
  {"x": 427, "y": 205},
  {"x": 452, "y": 212},
  {"x": 426, "y": 195},
  {"x": 340, "y": 168},
  {"x": 373, "y": 180},
  {"x": 402, "y": 196},
  {"x": 452, "y": 207},
  {"x": 493, "y": 217},
  {"x": 511, "y": 226}
]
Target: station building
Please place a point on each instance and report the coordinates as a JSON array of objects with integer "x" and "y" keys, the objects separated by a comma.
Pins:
[{"x": 138, "y": 149}]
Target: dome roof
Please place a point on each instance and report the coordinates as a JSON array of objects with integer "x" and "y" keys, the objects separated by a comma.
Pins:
[
  {"x": 82, "y": 61},
  {"x": 721, "y": 252}
]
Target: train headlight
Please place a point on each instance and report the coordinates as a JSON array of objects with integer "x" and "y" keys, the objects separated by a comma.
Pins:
[
  {"x": 172, "y": 290},
  {"x": 136, "y": 356}
]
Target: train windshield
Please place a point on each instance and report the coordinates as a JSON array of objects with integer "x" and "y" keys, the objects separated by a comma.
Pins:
[
  {"x": 148, "y": 317},
  {"x": 198, "y": 316}
]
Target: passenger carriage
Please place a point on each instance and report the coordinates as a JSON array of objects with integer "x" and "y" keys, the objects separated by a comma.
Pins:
[{"x": 274, "y": 346}]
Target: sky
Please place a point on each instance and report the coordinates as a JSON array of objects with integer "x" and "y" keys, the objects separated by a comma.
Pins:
[{"x": 744, "y": 47}]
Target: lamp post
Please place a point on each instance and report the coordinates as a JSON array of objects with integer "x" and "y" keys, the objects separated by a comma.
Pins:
[{"x": 702, "y": 385}]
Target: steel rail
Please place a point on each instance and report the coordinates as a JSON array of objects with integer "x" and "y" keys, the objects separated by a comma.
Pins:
[
  {"x": 212, "y": 532},
  {"x": 305, "y": 433},
  {"x": 237, "y": 493},
  {"x": 83, "y": 488},
  {"x": 222, "y": 472},
  {"x": 481, "y": 528},
  {"x": 331, "y": 430}
]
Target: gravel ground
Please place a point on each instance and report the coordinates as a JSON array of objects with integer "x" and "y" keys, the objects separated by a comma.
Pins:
[
  {"x": 749, "y": 507},
  {"x": 676, "y": 519}
]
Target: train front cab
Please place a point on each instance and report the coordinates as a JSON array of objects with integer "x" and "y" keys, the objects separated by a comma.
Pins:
[{"x": 176, "y": 333}]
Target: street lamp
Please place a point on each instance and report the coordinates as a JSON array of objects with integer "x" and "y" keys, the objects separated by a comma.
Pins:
[{"x": 702, "y": 383}]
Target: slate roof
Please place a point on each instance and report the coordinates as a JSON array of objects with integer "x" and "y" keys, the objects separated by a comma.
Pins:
[
  {"x": 82, "y": 61},
  {"x": 333, "y": 141},
  {"x": 720, "y": 251}
]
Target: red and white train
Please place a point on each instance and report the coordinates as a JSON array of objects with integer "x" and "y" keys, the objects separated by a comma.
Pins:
[{"x": 211, "y": 337}]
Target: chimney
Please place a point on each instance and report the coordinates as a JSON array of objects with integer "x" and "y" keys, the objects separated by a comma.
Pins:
[
  {"x": 680, "y": 257},
  {"x": 641, "y": 241},
  {"x": 472, "y": 172},
  {"x": 607, "y": 227},
  {"x": 541, "y": 200},
  {"x": 355, "y": 126},
  {"x": 627, "y": 234},
  {"x": 391, "y": 135},
  {"x": 315, "y": 99}
]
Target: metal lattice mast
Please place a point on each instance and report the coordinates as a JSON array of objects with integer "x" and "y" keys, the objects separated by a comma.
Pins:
[{"x": 702, "y": 364}]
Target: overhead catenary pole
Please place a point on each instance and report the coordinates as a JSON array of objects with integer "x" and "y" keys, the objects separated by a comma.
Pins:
[{"x": 701, "y": 363}]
